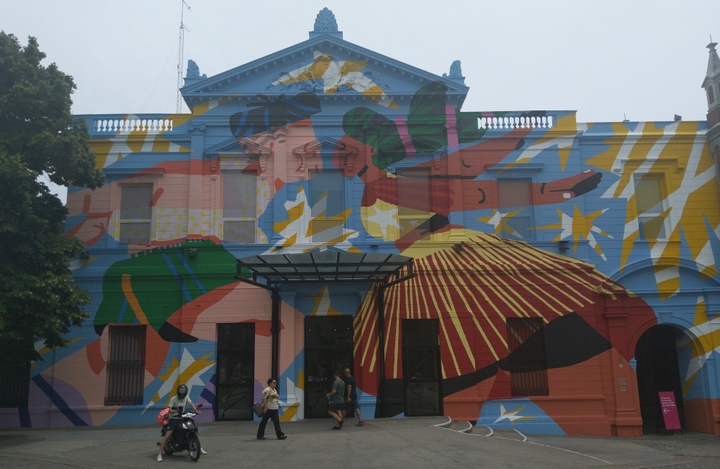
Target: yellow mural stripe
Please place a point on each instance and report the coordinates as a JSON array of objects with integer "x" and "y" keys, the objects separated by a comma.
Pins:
[
  {"x": 424, "y": 266},
  {"x": 555, "y": 275},
  {"x": 442, "y": 321},
  {"x": 132, "y": 299},
  {"x": 507, "y": 291},
  {"x": 696, "y": 209},
  {"x": 525, "y": 284},
  {"x": 373, "y": 356},
  {"x": 290, "y": 412},
  {"x": 473, "y": 315},
  {"x": 473, "y": 297},
  {"x": 300, "y": 383},
  {"x": 365, "y": 316},
  {"x": 606, "y": 159},
  {"x": 701, "y": 316},
  {"x": 489, "y": 272},
  {"x": 447, "y": 301},
  {"x": 371, "y": 333},
  {"x": 349, "y": 66},
  {"x": 705, "y": 344}
]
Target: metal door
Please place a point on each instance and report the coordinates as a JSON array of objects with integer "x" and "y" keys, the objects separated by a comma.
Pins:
[
  {"x": 421, "y": 367},
  {"x": 235, "y": 371},
  {"x": 328, "y": 347}
]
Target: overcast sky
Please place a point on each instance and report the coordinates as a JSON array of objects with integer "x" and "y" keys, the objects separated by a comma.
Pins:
[{"x": 607, "y": 59}]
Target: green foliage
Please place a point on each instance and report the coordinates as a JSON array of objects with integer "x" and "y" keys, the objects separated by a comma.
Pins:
[{"x": 39, "y": 299}]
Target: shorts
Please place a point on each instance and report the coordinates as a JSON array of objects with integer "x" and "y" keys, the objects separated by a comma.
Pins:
[
  {"x": 173, "y": 423},
  {"x": 350, "y": 406},
  {"x": 335, "y": 407}
]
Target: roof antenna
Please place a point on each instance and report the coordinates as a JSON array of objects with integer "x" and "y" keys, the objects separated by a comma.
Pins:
[{"x": 181, "y": 48}]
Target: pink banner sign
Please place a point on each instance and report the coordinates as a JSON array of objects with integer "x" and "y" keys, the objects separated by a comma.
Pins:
[{"x": 669, "y": 410}]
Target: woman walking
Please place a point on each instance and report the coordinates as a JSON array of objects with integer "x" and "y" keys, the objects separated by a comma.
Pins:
[{"x": 270, "y": 400}]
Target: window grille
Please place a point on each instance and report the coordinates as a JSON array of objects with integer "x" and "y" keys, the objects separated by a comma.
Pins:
[
  {"x": 528, "y": 366},
  {"x": 126, "y": 366},
  {"x": 239, "y": 206},
  {"x": 515, "y": 205},
  {"x": 136, "y": 214},
  {"x": 650, "y": 205},
  {"x": 14, "y": 386}
]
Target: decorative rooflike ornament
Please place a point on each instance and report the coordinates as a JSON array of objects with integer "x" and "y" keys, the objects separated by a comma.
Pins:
[
  {"x": 455, "y": 73},
  {"x": 325, "y": 23},
  {"x": 193, "y": 73}
]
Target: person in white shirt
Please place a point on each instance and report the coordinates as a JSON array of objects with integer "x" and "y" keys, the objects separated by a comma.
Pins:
[{"x": 270, "y": 399}]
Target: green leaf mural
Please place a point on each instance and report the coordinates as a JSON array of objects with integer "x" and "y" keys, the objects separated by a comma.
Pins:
[
  {"x": 426, "y": 127},
  {"x": 149, "y": 288}
]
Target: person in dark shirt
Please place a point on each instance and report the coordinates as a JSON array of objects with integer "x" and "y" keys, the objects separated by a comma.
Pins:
[{"x": 351, "y": 403}]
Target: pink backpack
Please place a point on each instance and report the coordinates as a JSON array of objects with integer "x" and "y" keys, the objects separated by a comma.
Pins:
[{"x": 163, "y": 417}]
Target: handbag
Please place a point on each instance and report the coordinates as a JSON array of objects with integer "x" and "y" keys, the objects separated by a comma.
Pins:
[
  {"x": 163, "y": 417},
  {"x": 259, "y": 409}
]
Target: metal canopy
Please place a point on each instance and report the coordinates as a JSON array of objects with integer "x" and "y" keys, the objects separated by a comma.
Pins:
[{"x": 324, "y": 267}]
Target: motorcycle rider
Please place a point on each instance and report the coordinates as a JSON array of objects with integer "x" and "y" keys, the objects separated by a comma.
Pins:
[{"x": 178, "y": 404}]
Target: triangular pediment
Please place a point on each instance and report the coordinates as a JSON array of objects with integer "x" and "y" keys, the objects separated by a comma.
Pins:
[
  {"x": 326, "y": 146},
  {"x": 333, "y": 69},
  {"x": 245, "y": 146}
]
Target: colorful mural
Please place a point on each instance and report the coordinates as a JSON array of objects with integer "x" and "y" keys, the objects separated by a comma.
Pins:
[{"x": 598, "y": 232}]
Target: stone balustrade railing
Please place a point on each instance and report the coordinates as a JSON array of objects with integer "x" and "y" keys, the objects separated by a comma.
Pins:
[
  {"x": 515, "y": 122},
  {"x": 125, "y": 124}
]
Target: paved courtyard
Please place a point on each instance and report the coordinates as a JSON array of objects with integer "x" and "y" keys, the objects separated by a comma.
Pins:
[{"x": 388, "y": 443}]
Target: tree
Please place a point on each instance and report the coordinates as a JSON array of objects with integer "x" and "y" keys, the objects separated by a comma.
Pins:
[{"x": 39, "y": 299}]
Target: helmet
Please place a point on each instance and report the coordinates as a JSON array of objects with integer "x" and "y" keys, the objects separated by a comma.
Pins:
[{"x": 182, "y": 391}]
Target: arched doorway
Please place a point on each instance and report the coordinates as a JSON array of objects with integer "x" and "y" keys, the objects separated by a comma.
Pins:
[{"x": 657, "y": 371}]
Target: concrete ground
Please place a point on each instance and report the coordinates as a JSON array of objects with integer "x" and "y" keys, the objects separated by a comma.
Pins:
[{"x": 417, "y": 443}]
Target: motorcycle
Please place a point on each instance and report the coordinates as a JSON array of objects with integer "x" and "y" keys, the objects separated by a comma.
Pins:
[{"x": 184, "y": 437}]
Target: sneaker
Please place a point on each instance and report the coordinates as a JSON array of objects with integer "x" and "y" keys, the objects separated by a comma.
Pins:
[
  {"x": 336, "y": 427},
  {"x": 282, "y": 437},
  {"x": 261, "y": 438},
  {"x": 341, "y": 424},
  {"x": 360, "y": 423},
  {"x": 159, "y": 458},
  {"x": 202, "y": 451}
]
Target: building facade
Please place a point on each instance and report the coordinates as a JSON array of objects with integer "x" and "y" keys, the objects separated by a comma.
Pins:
[{"x": 329, "y": 207}]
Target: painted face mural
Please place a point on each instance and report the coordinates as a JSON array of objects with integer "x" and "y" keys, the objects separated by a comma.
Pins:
[{"x": 432, "y": 125}]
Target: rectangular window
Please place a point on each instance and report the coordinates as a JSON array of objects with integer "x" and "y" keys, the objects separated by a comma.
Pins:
[
  {"x": 515, "y": 206},
  {"x": 14, "y": 385},
  {"x": 650, "y": 208},
  {"x": 327, "y": 202},
  {"x": 526, "y": 349},
  {"x": 239, "y": 206},
  {"x": 413, "y": 198},
  {"x": 126, "y": 365},
  {"x": 136, "y": 214}
]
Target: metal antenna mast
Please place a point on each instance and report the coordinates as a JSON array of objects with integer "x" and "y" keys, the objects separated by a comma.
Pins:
[{"x": 181, "y": 48}]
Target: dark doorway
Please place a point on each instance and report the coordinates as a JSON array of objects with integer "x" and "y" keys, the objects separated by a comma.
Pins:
[
  {"x": 421, "y": 367},
  {"x": 235, "y": 371},
  {"x": 658, "y": 370},
  {"x": 328, "y": 347}
]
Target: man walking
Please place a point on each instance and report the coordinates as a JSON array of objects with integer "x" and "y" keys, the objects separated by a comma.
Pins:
[
  {"x": 335, "y": 406},
  {"x": 351, "y": 402}
]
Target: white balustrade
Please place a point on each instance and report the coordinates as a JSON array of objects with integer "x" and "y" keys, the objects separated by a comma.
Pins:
[
  {"x": 132, "y": 125},
  {"x": 515, "y": 122}
]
